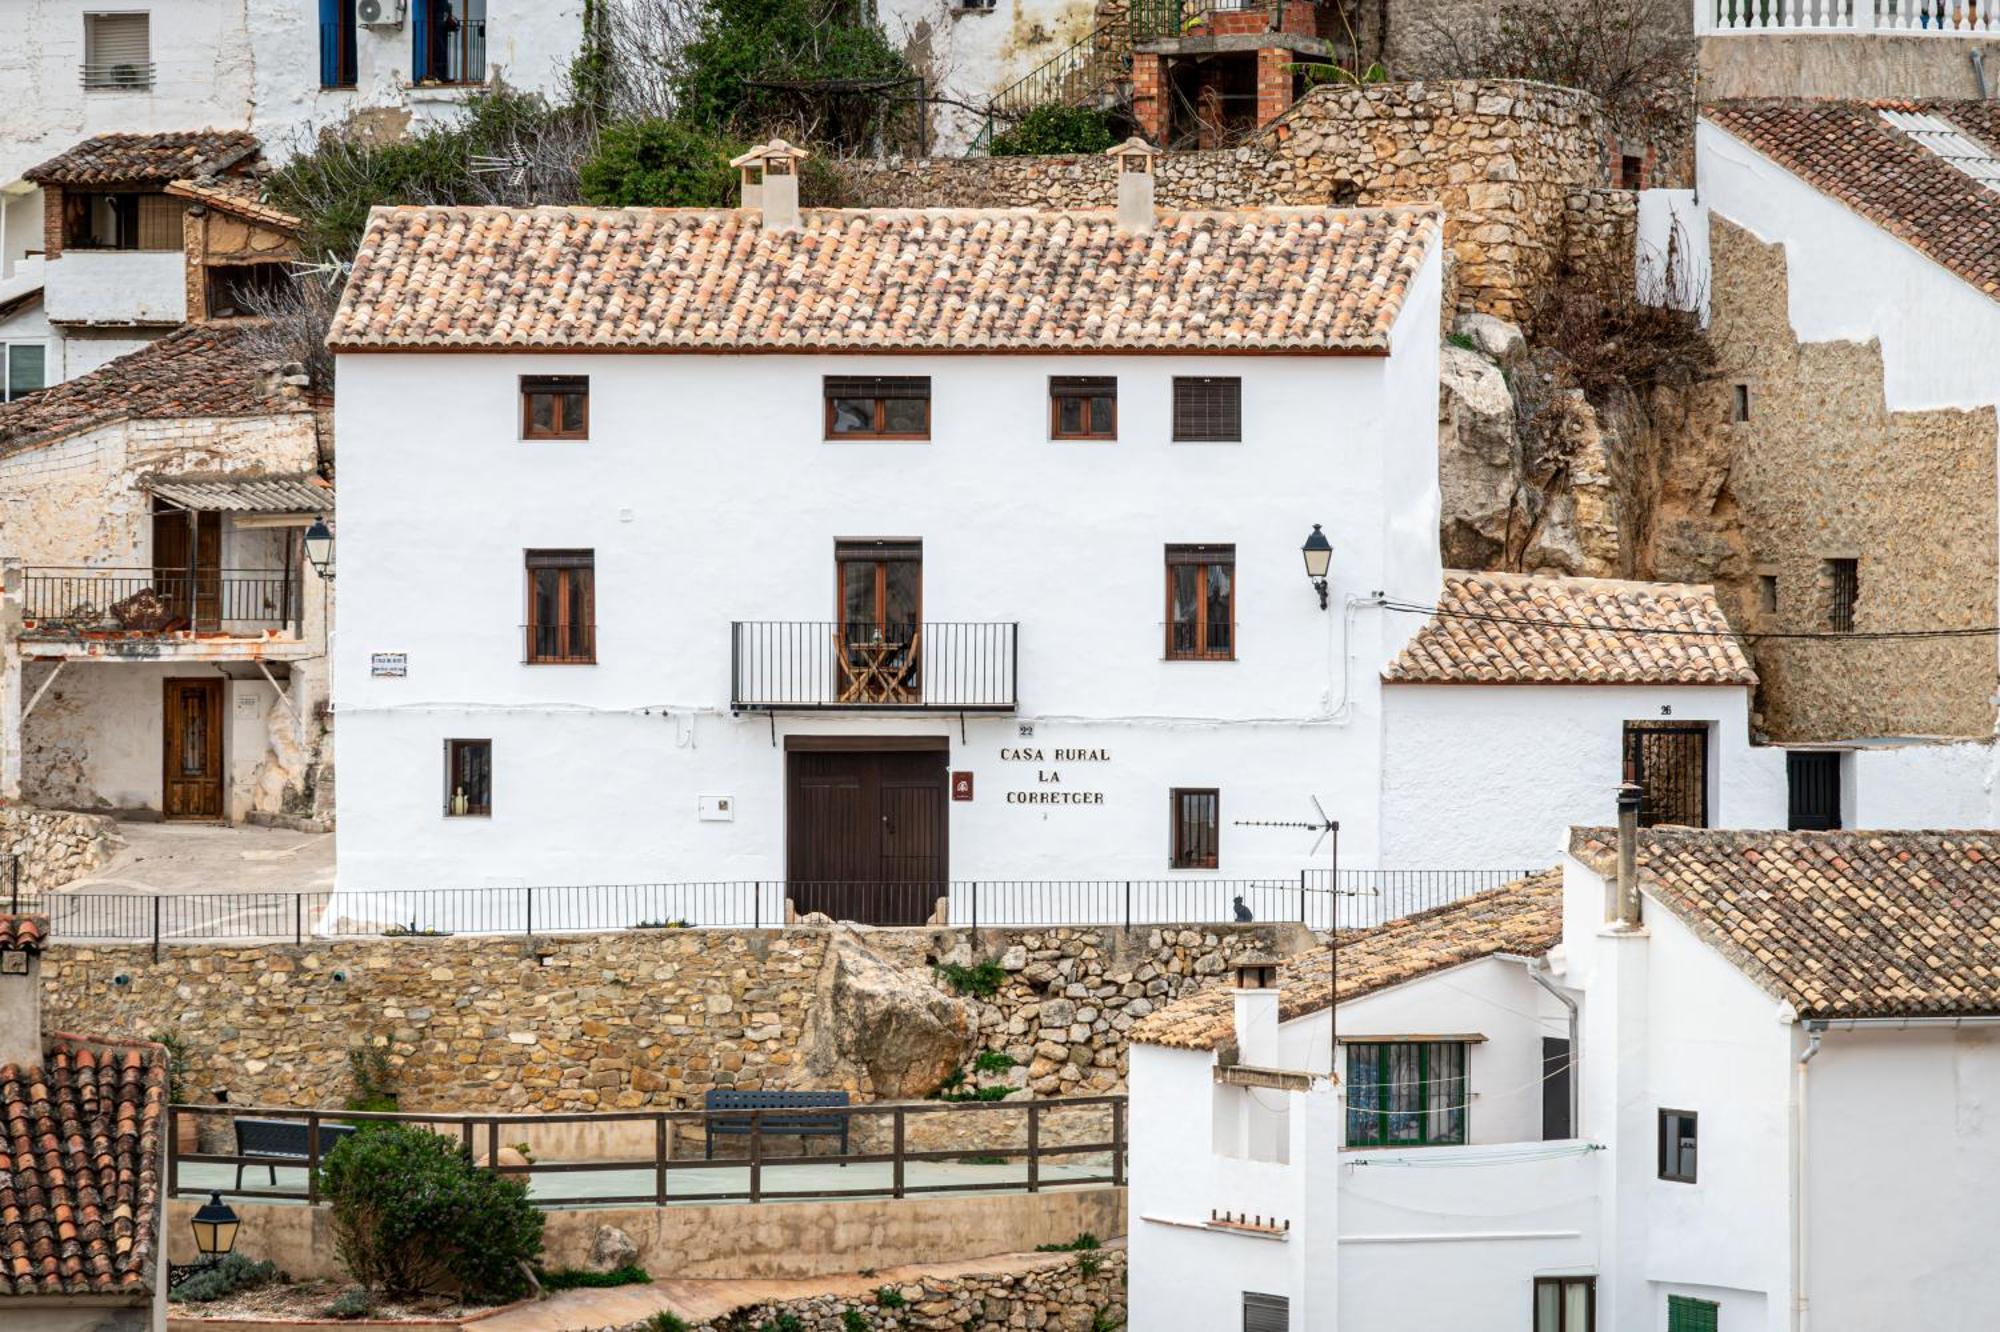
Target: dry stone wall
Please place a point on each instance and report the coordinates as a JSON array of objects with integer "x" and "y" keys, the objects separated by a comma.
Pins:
[
  {"x": 1504, "y": 158},
  {"x": 52, "y": 847},
  {"x": 645, "y": 1019}
]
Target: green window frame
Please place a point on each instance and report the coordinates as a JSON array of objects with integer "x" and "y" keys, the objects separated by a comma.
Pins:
[
  {"x": 1406, "y": 1094},
  {"x": 1688, "y": 1314}
]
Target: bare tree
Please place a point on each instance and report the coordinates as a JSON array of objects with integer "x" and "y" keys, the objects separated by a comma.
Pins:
[{"x": 292, "y": 322}]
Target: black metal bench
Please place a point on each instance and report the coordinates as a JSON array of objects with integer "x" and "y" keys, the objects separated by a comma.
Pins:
[
  {"x": 720, "y": 1102},
  {"x": 273, "y": 1141}
]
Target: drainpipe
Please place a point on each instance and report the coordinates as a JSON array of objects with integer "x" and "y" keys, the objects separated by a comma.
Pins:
[
  {"x": 1814, "y": 1032},
  {"x": 1979, "y": 71},
  {"x": 1538, "y": 972}
]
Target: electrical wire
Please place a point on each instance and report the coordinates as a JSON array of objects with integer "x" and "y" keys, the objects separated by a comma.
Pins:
[
  {"x": 1454, "y": 1160},
  {"x": 1666, "y": 631}
]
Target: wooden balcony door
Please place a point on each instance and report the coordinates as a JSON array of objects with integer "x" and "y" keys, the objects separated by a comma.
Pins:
[
  {"x": 866, "y": 833},
  {"x": 881, "y": 591},
  {"x": 193, "y": 750},
  {"x": 187, "y": 558}
]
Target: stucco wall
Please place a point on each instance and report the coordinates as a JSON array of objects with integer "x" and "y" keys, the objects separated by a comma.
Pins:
[
  {"x": 1844, "y": 65},
  {"x": 1502, "y": 157}
]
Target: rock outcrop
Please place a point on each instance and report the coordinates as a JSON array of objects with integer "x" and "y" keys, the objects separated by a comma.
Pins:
[{"x": 889, "y": 1021}]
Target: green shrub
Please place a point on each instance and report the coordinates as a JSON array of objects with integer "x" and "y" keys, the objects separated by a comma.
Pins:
[
  {"x": 974, "y": 1093},
  {"x": 994, "y": 1061},
  {"x": 223, "y": 1278},
  {"x": 351, "y": 1304},
  {"x": 1083, "y": 1243},
  {"x": 412, "y": 1215},
  {"x": 579, "y": 1278},
  {"x": 982, "y": 980},
  {"x": 784, "y": 1322},
  {"x": 666, "y": 1320},
  {"x": 660, "y": 164},
  {"x": 368, "y": 1071},
  {"x": 890, "y": 1298},
  {"x": 853, "y": 1320},
  {"x": 1055, "y": 129},
  {"x": 179, "y": 1063}
]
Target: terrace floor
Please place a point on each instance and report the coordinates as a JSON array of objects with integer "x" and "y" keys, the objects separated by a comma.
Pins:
[
  {"x": 580, "y": 1188},
  {"x": 170, "y": 858}
]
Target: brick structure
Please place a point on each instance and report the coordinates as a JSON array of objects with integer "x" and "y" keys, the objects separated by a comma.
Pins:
[{"x": 1209, "y": 80}]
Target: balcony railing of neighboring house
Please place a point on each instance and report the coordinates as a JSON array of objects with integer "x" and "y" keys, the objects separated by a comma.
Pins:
[
  {"x": 117, "y": 76},
  {"x": 1157, "y": 20},
  {"x": 71, "y": 601},
  {"x": 824, "y": 664},
  {"x": 1093, "y": 70},
  {"x": 1942, "y": 18},
  {"x": 458, "y": 55}
]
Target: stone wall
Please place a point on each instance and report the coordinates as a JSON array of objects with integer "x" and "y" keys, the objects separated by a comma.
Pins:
[
  {"x": 645, "y": 1019},
  {"x": 53, "y": 846},
  {"x": 1504, "y": 158},
  {"x": 1062, "y": 1293}
]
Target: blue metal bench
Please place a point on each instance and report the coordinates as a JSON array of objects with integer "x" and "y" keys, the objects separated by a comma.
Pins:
[
  {"x": 726, "y": 1114},
  {"x": 286, "y": 1140}
]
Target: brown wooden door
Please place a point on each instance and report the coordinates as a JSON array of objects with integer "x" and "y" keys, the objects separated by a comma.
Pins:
[
  {"x": 866, "y": 834},
  {"x": 193, "y": 750},
  {"x": 176, "y": 573}
]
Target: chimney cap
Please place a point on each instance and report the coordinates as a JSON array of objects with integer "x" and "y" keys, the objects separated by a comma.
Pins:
[
  {"x": 1135, "y": 154},
  {"x": 765, "y": 153},
  {"x": 1256, "y": 971}
]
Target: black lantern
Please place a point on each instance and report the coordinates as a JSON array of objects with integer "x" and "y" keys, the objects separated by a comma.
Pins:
[
  {"x": 319, "y": 547},
  {"x": 1319, "y": 558},
  {"x": 215, "y": 1224}
]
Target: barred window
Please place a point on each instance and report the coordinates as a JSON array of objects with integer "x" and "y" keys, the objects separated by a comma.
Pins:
[
  {"x": 878, "y": 406},
  {"x": 1201, "y": 603},
  {"x": 1197, "y": 818},
  {"x": 1207, "y": 410},
  {"x": 562, "y": 607},
  {"x": 1844, "y": 593}
]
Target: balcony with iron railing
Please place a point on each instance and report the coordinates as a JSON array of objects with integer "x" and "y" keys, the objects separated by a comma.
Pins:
[
  {"x": 824, "y": 665},
  {"x": 80, "y": 603},
  {"x": 1923, "y": 18}
]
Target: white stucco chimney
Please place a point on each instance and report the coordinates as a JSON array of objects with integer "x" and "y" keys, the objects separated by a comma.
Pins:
[
  {"x": 21, "y": 940},
  {"x": 770, "y": 183},
  {"x": 1256, "y": 996},
  {"x": 1625, "y": 902},
  {"x": 1134, "y": 160}
]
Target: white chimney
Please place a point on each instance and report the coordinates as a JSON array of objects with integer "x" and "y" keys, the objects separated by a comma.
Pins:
[
  {"x": 1256, "y": 996},
  {"x": 1625, "y": 902},
  {"x": 770, "y": 176},
  {"x": 1135, "y": 158},
  {"x": 21, "y": 939}
]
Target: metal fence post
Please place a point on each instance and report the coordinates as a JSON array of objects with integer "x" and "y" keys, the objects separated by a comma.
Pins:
[
  {"x": 1303, "y": 920},
  {"x": 531, "y": 913},
  {"x": 156, "y": 927},
  {"x": 757, "y": 904},
  {"x": 975, "y": 915},
  {"x": 1034, "y": 1146},
  {"x": 756, "y": 1156},
  {"x": 1128, "y": 904},
  {"x": 898, "y": 1152},
  {"x": 298, "y": 918}
]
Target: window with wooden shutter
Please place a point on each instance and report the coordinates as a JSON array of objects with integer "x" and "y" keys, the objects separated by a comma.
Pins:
[
  {"x": 117, "y": 52},
  {"x": 1197, "y": 830},
  {"x": 1687, "y": 1314},
  {"x": 877, "y": 406},
  {"x": 1207, "y": 410},
  {"x": 1083, "y": 407},
  {"x": 1266, "y": 1313},
  {"x": 160, "y": 222},
  {"x": 562, "y": 607},
  {"x": 555, "y": 406},
  {"x": 1201, "y": 602}
]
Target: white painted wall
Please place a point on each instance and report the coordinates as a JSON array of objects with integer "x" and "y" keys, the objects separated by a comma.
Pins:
[
  {"x": 116, "y": 287},
  {"x": 1065, "y": 538},
  {"x": 977, "y": 52},
  {"x": 1496, "y": 774},
  {"x": 1942, "y": 785}
]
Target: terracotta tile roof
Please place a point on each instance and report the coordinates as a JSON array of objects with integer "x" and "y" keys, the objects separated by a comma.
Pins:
[
  {"x": 1846, "y": 150},
  {"x": 80, "y": 1157},
  {"x": 200, "y": 370},
  {"x": 27, "y": 932},
  {"x": 240, "y": 195},
  {"x": 1499, "y": 628},
  {"x": 1836, "y": 924},
  {"x": 145, "y": 159},
  {"x": 1269, "y": 279},
  {"x": 1522, "y": 917}
]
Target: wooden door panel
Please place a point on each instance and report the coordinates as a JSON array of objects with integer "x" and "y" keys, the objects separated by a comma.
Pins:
[
  {"x": 865, "y": 834},
  {"x": 192, "y": 750}
]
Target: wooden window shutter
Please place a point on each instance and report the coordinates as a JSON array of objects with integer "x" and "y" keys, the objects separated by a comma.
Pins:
[
  {"x": 1208, "y": 410},
  {"x": 1691, "y": 1315},
  {"x": 877, "y": 386},
  {"x": 160, "y": 222},
  {"x": 1266, "y": 1313}
]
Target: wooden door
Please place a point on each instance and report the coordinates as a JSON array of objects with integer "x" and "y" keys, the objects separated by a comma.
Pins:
[
  {"x": 187, "y": 559},
  {"x": 866, "y": 834},
  {"x": 193, "y": 750},
  {"x": 880, "y": 587}
]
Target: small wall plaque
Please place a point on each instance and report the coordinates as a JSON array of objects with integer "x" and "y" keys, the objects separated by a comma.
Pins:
[
  {"x": 961, "y": 786},
  {"x": 389, "y": 665},
  {"x": 14, "y": 962},
  {"x": 716, "y": 809}
]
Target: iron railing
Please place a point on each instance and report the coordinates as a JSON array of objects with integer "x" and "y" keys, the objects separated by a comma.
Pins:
[
  {"x": 559, "y": 644},
  {"x": 1157, "y": 20},
  {"x": 782, "y": 665},
  {"x": 1364, "y": 897},
  {"x": 1940, "y": 18},
  {"x": 457, "y": 55},
  {"x": 1087, "y": 70},
  {"x": 117, "y": 75},
  {"x": 1026, "y": 1146},
  {"x": 76, "y": 599}
]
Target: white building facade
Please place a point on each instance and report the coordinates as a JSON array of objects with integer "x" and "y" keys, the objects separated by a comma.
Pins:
[{"x": 1738, "y": 1101}]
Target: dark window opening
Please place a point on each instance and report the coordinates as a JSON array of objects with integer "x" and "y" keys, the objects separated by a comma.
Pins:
[
  {"x": 1266, "y": 1313},
  {"x": 1631, "y": 171},
  {"x": 1812, "y": 782},
  {"x": 1767, "y": 594},
  {"x": 1201, "y": 603},
  {"x": 337, "y": 59},
  {"x": 555, "y": 406},
  {"x": 1565, "y": 1304},
  {"x": 233, "y": 288},
  {"x": 1844, "y": 593},
  {"x": 878, "y": 406},
  {"x": 1346, "y": 193},
  {"x": 24, "y": 370},
  {"x": 562, "y": 607},
  {"x": 1687, "y": 1314},
  {"x": 1083, "y": 407},
  {"x": 1197, "y": 832},
  {"x": 125, "y": 221},
  {"x": 1208, "y": 411},
  {"x": 1406, "y": 1093},
  {"x": 1677, "y": 1146},
  {"x": 448, "y": 41},
  {"x": 1739, "y": 403},
  {"x": 1668, "y": 762},
  {"x": 1556, "y": 1123},
  {"x": 468, "y": 778},
  {"x": 880, "y": 637}
]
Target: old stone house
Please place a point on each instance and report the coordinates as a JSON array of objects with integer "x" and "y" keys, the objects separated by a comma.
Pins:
[{"x": 164, "y": 641}]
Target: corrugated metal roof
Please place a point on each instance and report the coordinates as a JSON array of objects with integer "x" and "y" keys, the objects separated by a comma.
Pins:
[{"x": 245, "y": 494}]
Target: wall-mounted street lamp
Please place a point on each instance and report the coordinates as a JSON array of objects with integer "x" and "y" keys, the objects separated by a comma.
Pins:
[
  {"x": 1319, "y": 558},
  {"x": 215, "y": 1224},
  {"x": 319, "y": 548}
]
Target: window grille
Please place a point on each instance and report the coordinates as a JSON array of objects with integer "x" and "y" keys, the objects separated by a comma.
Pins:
[
  {"x": 1201, "y": 602},
  {"x": 1197, "y": 816},
  {"x": 1668, "y": 762},
  {"x": 562, "y": 607},
  {"x": 117, "y": 51},
  {"x": 1208, "y": 410},
  {"x": 1845, "y": 594}
]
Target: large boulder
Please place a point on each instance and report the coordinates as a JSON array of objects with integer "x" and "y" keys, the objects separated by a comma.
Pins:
[
  {"x": 884, "y": 1028},
  {"x": 611, "y": 1249},
  {"x": 1479, "y": 459}
]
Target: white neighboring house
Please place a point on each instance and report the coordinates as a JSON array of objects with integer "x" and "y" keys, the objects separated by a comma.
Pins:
[
  {"x": 1737, "y": 1088},
  {"x": 273, "y": 67}
]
